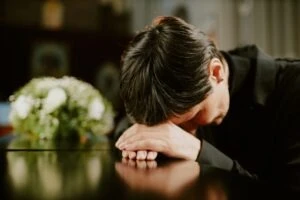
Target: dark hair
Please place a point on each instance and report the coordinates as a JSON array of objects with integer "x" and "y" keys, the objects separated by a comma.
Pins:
[{"x": 165, "y": 70}]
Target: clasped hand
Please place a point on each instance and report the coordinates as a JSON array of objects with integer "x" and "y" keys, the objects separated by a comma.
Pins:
[{"x": 144, "y": 142}]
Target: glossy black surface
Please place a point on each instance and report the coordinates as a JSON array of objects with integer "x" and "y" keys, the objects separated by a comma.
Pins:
[{"x": 95, "y": 170}]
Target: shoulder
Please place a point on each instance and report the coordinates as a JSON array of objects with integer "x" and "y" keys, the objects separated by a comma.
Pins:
[
  {"x": 246, "y": 50},
  {"x": 250, "y": 49},
  {"x": 241, "y": 55},
  {"x": 255, "y": 54}
]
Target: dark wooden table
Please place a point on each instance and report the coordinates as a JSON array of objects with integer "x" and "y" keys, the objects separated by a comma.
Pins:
[{"x": 95, "y": 170}]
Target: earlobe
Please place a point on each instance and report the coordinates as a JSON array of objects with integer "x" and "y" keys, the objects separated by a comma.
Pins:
[{"x": 220, "y": 80}]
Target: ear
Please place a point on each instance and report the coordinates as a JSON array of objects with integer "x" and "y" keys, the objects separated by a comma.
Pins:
[{"x": 216, "y": 70}]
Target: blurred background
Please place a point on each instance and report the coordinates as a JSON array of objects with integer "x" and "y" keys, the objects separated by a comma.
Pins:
[{"x": 85, "y": 38}]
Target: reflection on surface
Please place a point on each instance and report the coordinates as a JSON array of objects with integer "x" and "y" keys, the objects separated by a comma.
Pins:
[
  {"x": 215, "y": 192},
  {"x": 53, "y": 175},
  {"x": 169, "y": 180},
  {"x": 86, "y": 173},
  {"x": 27, "y": 143},
  {"x": 213, "y": 187}
]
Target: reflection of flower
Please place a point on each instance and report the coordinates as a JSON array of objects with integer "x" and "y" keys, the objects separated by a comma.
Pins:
[
  {"x": 58, "y": 174},
  {"x": 58, "y": 108}
]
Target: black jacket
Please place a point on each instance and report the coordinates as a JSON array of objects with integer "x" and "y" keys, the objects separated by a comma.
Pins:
[{"x": 260, "y": 136}]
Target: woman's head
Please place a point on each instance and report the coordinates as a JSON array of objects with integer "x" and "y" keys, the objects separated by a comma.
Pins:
[{"x": 166, "y": 71}]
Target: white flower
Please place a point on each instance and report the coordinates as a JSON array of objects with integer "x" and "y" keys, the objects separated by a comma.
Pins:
[
  {"x": 46, "y": 84},
  {"x": 56, "y": 97},
  {"x": 23, "y": 105},
  {"x": 36, "y": 109},
  {"x": 96, "y": 109}
]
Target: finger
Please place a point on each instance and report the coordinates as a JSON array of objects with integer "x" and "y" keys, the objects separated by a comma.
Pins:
[
  {"x": 134, "y": 138},
  {"x": 135, "y": 132},
  {"x": 141, "y": 155},
  {"x": 151, "y": 155},
  {"x": 125, "y": 134},
  {"x": 129, "y": 138},
  {"x": 132, "y": 155},
  {"x": 120, "y": 140},
  {"x": 125, "y": 154},
  {"x": 149, "y": 144}
]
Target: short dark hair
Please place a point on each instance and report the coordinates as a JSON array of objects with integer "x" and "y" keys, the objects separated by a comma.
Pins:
[{"x": 165, "y": 70}]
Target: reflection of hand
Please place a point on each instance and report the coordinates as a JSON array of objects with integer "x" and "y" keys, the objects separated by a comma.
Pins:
[
  {"x": 169, "y": 180},
  {"x": 166, "y": 138}
]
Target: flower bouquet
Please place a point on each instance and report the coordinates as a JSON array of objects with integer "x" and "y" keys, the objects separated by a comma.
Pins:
[{"x": 56, "y": 108}]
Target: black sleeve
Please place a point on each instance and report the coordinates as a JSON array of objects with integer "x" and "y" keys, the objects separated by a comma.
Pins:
[
  {"x": 212, "y": 156},
  {"x": 289, "y": 130},
  {"x": 207, "y": 155}
]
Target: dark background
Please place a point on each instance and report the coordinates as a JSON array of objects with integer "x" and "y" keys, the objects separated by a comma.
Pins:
[{"x": 95, "y": 32}]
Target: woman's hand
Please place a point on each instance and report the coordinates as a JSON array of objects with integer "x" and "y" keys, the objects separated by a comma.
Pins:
[
  {"x": 166, "y": 138},
  {"x": 140, "y": 155}
]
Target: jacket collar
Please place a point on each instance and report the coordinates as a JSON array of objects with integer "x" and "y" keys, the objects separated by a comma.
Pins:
[{"x": 249, "y": 63}]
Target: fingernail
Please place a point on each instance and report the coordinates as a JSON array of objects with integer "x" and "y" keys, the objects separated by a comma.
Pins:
[{"x": 124, "y": 154}]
